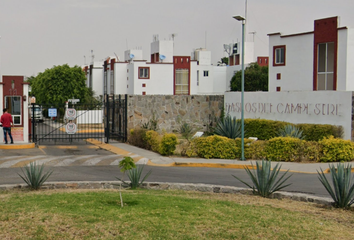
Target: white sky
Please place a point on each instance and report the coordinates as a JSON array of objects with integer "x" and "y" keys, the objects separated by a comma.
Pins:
[{"x": 38, "y": 34}]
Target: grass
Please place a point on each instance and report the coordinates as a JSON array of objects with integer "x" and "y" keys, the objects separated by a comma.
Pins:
[{"x": 149, "y": 214}]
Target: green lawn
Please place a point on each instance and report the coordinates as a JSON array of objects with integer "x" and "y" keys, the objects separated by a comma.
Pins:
[{"x": 149, "y": 214}]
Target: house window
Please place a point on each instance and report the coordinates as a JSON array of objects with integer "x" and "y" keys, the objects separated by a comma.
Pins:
[
  {"x": 144, "y": 93},
  {"x": 279, "y": 55},
  {"x": 325, "y": 66},
  {"x": 13, "y": 105},
  {"x": 278, "y": 89},
  {"x": 206, "y": 73},
  {"x": 144, "y": 73},
  {"x": 144, "y": 85},
  {"x": 182, "y": 82},
  {"x": 278, "y": 76}
]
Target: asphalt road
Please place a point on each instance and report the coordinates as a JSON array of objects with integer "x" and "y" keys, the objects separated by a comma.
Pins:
[{"x": 301, "y": 183}]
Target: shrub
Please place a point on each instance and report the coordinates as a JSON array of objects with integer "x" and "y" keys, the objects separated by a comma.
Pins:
[
  {"x": 316, "y": 132},
  {"x": 284, "y": 149},
  {"x": 267, "y": 129},
  {"x": 134, "y": 175},
  {"x": 263, "y": 129},
  {"x": 256, "y": 150},
  {"x": 342, "y": 192},
  {"x": 137, "y": 137},
  {"x": 247, "y": 148},
  {"x": 291, "y": 131},
  {"x": 312, "y": 151},
  {"x": 186, "y": 131},
  {"x": 214, "y": 147},
  {"x": 334, "y": 150},
  {"x": 168, "y": 144},
  {"x": 152, "y": 140},
  {"x": 33, "y": 175},
  {"x": 264, "y": 179},
  {"x": 228, "y": 127}
]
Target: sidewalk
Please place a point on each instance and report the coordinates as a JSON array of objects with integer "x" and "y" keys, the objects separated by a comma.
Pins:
[{"x": 154, "y": 159}]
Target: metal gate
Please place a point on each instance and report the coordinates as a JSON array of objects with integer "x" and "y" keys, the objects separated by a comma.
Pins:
[
  {"x": 116, "y": 120},
  {"x": 74, "y": 123},
  {"x": 66, "y": 124}
]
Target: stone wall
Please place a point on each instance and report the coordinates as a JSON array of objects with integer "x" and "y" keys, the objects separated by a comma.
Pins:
[{"x": 171, "y": 111}]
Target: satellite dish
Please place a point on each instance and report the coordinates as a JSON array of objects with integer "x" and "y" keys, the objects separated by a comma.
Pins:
[
  {"x": 131, "y": 56},
  {"x": 162, "y": 57}
]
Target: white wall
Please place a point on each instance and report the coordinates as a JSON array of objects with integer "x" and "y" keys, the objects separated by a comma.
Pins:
[
  {"x": 138, "y": 54},
  {"x": 342, "y": 60},
  {"x": 297, "y": 74},
  {"x": 203, "y": 56},
  {"x": 206, "y": 84},
  {"x": 160, "y": 82},
  {"x": 164, "y": 47},
  {"x": 89, "y": 117},
  {"x": 97, "y": 80},
  {"x": 350, "y": 60},
  {"x": 121, "y": 74},
  {"x": 219, "y": 84},
  {"x": 320, "y": 107}
]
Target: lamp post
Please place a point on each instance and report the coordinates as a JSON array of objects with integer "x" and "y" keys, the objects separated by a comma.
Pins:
[{"x": 242, "y": 19}]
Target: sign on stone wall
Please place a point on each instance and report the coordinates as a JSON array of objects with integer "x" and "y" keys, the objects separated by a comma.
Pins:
[{"x": 320, "y": 107}]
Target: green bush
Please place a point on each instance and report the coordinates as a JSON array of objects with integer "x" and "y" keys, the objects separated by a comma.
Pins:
[
  {"x": 312, "y": 151},
  {"x": 152, "y": 140},
  {"x": 168, "y": 144},
  {"x": 137, "y": 137},
  {"x": 316, "y": 132},
  {"x": 247, "y": 148},
  {"x": 214, "y": 147},
  {"x": 263, "y": 129},
  {"x": 267, "y": 129},
  {"x": 335, "y": 150},
  {"x": 256, "y": 150},
  {"x": 284, "y": 149}
]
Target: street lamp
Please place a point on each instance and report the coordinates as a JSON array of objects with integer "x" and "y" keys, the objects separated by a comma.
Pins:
[{"x": 242, "y": 19}]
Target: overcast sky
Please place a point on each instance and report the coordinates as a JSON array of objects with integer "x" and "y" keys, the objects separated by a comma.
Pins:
[{"x": 38, "y": 34}]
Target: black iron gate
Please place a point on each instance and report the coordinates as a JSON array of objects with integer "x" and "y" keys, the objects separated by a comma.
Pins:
[
  {"x": 74, "y": 122},
  {"x": 116, "y": 120},
  {"x": 66, "y": 124}
]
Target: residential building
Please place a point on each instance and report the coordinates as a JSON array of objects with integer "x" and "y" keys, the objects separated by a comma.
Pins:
[{"x": 312, "y": 61}]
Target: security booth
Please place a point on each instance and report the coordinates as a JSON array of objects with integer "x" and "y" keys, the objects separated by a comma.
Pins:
[{"x": 14, "y": 97}]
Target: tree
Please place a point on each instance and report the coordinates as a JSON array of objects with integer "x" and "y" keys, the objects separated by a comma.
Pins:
[
  {"x": 256, "y": 79},
  {"x": 60, "y": 83},
  {"x": 223, "y": 60}
]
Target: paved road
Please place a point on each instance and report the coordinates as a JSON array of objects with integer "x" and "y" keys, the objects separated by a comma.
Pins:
[
  {"x": 86, "y": 162},
  {"x": 303, "y": 183}
]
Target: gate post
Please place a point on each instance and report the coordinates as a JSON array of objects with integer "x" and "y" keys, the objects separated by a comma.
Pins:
[
  {"x": 126, "y": 118},
  {"x": 33, "y": 121},
  {"x": 107, "y": 120}
]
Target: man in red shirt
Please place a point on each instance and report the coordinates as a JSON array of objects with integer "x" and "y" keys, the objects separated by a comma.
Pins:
[{"x": 7, "y": 123}]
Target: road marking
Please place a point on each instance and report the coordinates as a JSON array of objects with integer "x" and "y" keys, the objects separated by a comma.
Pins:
[{"x": 12, "y": 163}]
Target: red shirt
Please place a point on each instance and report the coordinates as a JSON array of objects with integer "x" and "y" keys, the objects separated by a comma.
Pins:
[{"x": 6, "y": 120}]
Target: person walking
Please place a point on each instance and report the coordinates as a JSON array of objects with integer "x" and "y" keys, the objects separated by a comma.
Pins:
[{"x": 7, "y": 123}]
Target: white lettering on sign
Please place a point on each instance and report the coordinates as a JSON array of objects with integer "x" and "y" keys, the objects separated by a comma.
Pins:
[{"x": 316, "y": 107}]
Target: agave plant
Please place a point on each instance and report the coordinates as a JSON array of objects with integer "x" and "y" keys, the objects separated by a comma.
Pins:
[
  {"x": 134, "y": 176},
  {"x": 291, "y": 131},
  {"x": 228, "y": 127},
  {"x": 186, "y": 131},
  {"x": 33, "y": 175},
  {"x": 264, "y": 178},
  {"x": 342, "y": 192}
]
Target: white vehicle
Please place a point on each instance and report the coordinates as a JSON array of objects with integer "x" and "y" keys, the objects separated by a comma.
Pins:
[{"x": 38, "y": 114}]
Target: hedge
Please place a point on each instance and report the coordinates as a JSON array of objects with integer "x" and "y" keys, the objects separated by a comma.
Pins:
[{"x": 267, "y": 129}]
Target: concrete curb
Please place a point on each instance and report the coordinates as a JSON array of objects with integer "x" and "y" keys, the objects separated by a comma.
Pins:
[
  {"x": 173, "y": 186},
  {"x": 18, "y": 146}
]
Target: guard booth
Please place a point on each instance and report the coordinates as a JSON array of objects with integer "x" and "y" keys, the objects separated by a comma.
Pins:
[{"x": 14, "y": 97}]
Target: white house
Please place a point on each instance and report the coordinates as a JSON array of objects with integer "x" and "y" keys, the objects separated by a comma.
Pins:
[
  {"x": 311, "y": 61},
  {"x": 163, "y": 74}
]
